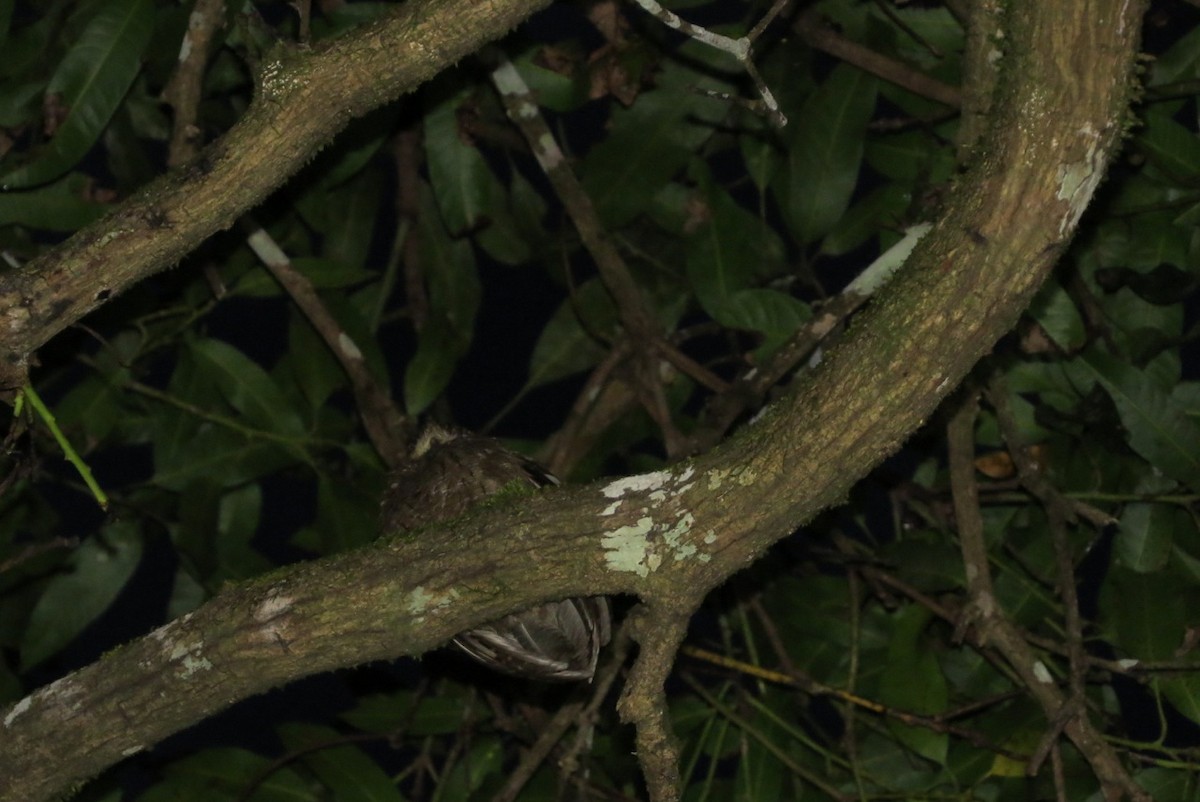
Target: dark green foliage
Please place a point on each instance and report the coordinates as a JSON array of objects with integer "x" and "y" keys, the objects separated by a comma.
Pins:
[{"x": 225, "y": 432}]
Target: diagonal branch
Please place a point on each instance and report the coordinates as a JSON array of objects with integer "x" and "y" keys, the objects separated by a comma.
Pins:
[
  {"x": 995, "y": 628},
  {"x": 303, "y": 99}
]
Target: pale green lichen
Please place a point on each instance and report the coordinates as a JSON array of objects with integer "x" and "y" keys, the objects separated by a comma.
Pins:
[
  {"x": 17, "y": 709},
  {"x": 717, "y": 477},
  {"x": 1077, "y": 181},
  {"x": 179, "y": 650},
  {"x": 271, "y": 608},
  {"x": 192, "y": 664},
  {"x": 190, "y": 656},
  {"x": 636, "y": 484},
  {"x": 742, "y": 476},
  {"x": 628, "y": 549},
  {"x": 642, "y": 547},
  {"x": 421, "y": 601}
]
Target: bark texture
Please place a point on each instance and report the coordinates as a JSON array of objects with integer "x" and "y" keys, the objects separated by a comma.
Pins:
[{"x": 668, "y": 537}]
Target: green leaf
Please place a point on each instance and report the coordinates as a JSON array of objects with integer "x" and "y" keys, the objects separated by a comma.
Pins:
[
  {"x": 246, "y": 387},
  {"x": 224, "y": 774},
  {"x": 762, "y": 159},
  {"x": 451, "y": 273},
  {"x": 96, "y": 572},
  {"x": 6, "y": 13},
  {"x": 59, "y": 206},
  {"x": 25, "y": 48},
  {"x": 186, "y": 595},
  {"x": 909, "y": 158},
  {"x": 345, "y": 770},
  {"x": 432, "y": 367},
  {"x": 1181, "y": 61},
  {"x": 825, "y": 148},
  {"x": 1160, "y": 239},
  {"x": 1184, "y": 693},
  {"x": 415, "y": 714},
  {"x": 1171, "y": 147},
  {"x": 883, "y": 208},
  {"x": 213, "y": 451},
  {"x": 347, "y": 516},
  {"x": 726, "y": 260},
  {"x": 914, "y": 683},
  {"x": 1167, "y": 783},
  {"x": 732, "y": 253},
  {"x": 1146, "y": 535},
  {"x": 1158, "y": 429},
  {"x": 310, "y": 364},
  {"x": 1146, "y": 616},
  {"x": 95, "y": 406},
  {"x": 774, "y": 314},
  {"x": 1055, "y": 312},
  {"x": 323, "y": 273},
  {"x": 91, "y": 80},
  {"x": 650, "y": 142},
  {"x": 567, "y": 344},
  {"x": 454, "y": 295},
  {"x": 481, "y": 762},
  {"x": 760, "y": 774},
  {"x": 553, "y": 90},
  {"x": 469, "y": 194},
  {"x": 202, "y": 439},
  {"x": 463, "y": 182},
  {"x": 20, "y": 101},
  {"x": 348, "y": 232},
  {"x": 355, "y": 147},
  {"x": 239, "y": 511}
]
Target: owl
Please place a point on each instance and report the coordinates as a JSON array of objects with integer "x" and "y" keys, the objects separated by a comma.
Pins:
[{"x": 452, "y": 471}]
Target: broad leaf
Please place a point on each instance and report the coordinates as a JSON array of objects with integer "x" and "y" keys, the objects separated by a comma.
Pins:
[
  {"x": 90, "y": 82},
  {"x": 1158, "y": 430},
  {"x": 95, "y": 573},
  {"x": 825, "y": 147}
]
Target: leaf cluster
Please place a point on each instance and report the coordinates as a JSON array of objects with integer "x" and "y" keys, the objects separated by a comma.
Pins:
[{"x": 226, "y": 434}]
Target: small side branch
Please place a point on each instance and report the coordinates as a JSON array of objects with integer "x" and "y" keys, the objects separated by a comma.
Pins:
[
  {"x": 820, "y": 36},
  {"x": 635, "y": 312},
  {"x": 995, "y": 628},
  {"x": 643, "y": 703},
  {"x": 739, "y": 48},
  {"x": 382, "y": 421}
]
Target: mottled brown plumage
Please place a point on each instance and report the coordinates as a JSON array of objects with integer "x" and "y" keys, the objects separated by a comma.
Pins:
[{"x": 452, "y": 471}]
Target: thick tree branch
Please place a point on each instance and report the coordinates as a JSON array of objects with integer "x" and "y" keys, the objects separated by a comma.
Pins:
[
  {"x": 663, "y": 536},
  {"x": 303, "y": 99}
]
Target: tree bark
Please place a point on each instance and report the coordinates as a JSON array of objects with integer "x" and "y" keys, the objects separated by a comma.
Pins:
[
  {"x": 667, "y": 537},
  {"x": 303, "y": 99}
]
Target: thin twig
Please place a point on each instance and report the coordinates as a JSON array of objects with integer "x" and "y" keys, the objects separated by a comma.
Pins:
[
  {"x": 805, "y": 774},
  {"x": 740, "y": 49},
  {"x": 635, "y": 313},
  {"x": 183, "y": 91},
  {"x": 72, "y": 456},
  {"x": 384, "y": 423},
  {"x": 750, "y": 389},
  {"x": 36, "y": 549},
  {"x": 575, "y": 713},
  {"x": 987, "y": 615},
  {"x": 821, "y": 37}
]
